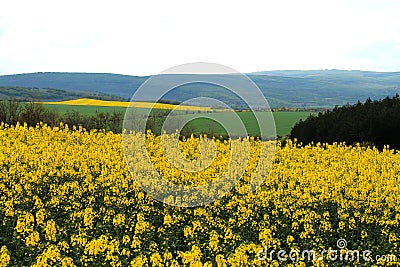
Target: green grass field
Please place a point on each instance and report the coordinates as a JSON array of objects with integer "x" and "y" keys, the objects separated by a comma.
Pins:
[
  {"x": 284, "y": 120},
  {"x": 84, "y": 110}
]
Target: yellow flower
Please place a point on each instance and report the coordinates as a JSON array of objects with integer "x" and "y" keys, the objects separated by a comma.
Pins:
[
  {"x": 51, "y": 230},
  {"x": 289, "y": 239},
  {"x": 126, "y": 239},
  {"x": 214, "y": 240},
  {"x": 191, "y": 257},
  {"x": 70, "y": 192},
  {"x": 4, "y": 256},
  {"x": 221, "y": 262},
  {"x": 156, "y": 260},
  {"x": 139, "y": 261},
  {"x": 168, "y": 220},
  {"x": 135, "y": 242},
  {"x": 119, "y": 219},
  {"x": 32, "y": 239},
  {"x": 40, "y": 216},
  {"x": 67, "y": 262}
]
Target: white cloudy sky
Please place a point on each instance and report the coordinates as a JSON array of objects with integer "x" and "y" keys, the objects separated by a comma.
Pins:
[{"x": 146, "y": 37}]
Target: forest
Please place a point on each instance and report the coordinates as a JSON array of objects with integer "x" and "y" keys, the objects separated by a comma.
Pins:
[{"x": 375, "y": 123}]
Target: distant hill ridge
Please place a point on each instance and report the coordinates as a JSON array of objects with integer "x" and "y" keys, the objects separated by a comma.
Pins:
[
  {"x": 290, "y": 88},
  {"x": 327, "y": 72},
  {"x": 50, "y": 94}
]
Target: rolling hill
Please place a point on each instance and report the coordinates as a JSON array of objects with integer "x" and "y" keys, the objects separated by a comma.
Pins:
[
  {"x": 50, "y": 94},
  {"x": 292, "y": 88}
]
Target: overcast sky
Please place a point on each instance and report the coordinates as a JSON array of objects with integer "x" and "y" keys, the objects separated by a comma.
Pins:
[{"x": 147, "y": 37}]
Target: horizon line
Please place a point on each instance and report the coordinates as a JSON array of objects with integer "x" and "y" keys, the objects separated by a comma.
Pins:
[{"x": 246, "y": 73}]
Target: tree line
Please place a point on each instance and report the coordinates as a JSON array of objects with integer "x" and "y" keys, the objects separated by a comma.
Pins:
[
  {"x": 31, "y": 113},
  {"x": 371, "y": 123}
]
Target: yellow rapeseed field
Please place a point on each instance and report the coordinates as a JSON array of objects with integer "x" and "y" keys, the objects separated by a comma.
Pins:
[
  {"x": 67, "y": 198},
  {"x": 106, "y": 103}
]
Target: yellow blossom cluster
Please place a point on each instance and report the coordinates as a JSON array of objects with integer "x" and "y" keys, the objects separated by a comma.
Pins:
[{"x": 67, "y": 198}]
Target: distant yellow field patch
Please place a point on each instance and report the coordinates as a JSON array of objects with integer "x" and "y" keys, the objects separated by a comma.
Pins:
[{"x": 105, "y": 103}]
